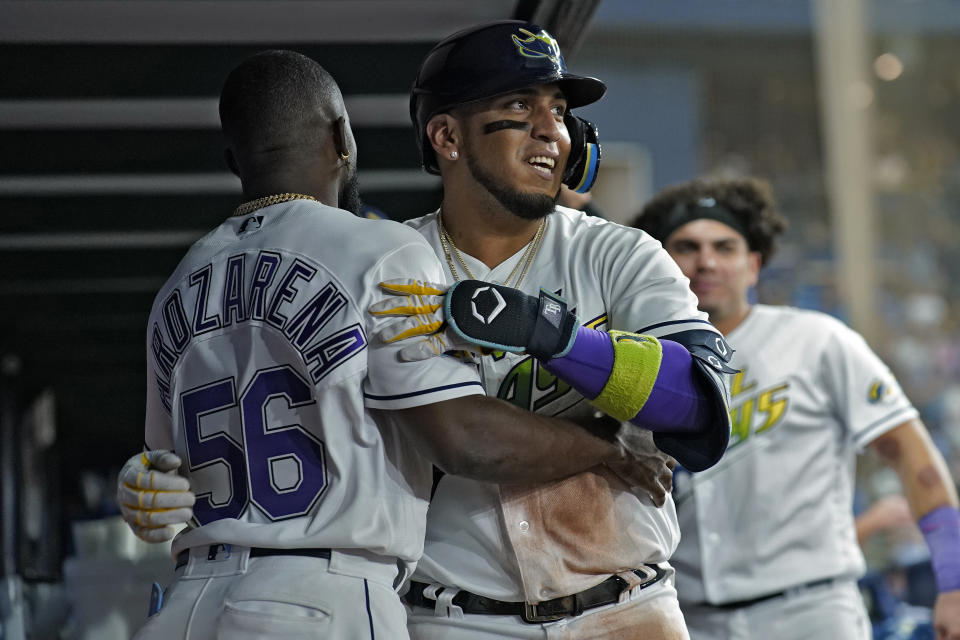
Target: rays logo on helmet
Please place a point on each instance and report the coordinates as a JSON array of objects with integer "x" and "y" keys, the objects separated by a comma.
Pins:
[{"x": 537, "y": 45}]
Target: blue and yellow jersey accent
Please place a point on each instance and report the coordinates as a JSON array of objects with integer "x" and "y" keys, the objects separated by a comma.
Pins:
[
  {"x": 878, "y": 391},
  {"x": 370, "y": 212},
  {"x": 529, "y": 386},
  {"x": 596, "y": 323},
  {"x": 755, "y": 409}
]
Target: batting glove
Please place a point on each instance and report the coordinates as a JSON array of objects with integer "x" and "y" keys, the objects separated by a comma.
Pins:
[
  {"x": 153, "y": 499},
  {"x": 419, "y": 309},
  {"x": 478, "y": 317}
]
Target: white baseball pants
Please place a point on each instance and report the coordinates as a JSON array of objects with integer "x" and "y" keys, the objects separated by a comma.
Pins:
[
  {"x": 277, "y": 597},
  {"x": 828, "y": 611}
]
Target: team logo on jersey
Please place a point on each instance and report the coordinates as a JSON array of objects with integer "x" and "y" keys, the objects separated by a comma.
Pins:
[
  {"x": 878, "y": 391},
  {"x": 755, "y": 409},
  {"x": 493, "y": 299},
  {"x": 250, "y": 225},
  {"x": 538, "y": 45},
  {"x": 530, "y": 386}
]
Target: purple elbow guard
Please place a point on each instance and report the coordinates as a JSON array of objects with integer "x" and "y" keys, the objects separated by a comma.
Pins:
[
  {"x": 674, "y": 401},
  {"x": 941, "y": 530}
]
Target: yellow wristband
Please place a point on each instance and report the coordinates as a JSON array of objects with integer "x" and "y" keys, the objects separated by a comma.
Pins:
[{"x": 636, "y": 363}]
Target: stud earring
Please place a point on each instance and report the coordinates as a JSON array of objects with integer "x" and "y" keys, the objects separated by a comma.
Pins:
[{"x": 454, "y": 155}]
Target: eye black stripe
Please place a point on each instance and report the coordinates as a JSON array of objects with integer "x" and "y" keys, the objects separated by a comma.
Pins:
[{"x": 492, "y": 127}]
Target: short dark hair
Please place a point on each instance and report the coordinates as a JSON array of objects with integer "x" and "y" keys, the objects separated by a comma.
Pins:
[
  {"x": 749, "y": 201},
  {"x": 270, "y": 99}
]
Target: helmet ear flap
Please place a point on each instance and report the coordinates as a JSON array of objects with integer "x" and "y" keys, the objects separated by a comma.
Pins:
[
  {"x": 584, "y": 160},
  {"x": 422, "y": 107}
]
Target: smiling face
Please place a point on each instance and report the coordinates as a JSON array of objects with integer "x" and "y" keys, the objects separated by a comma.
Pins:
[
  {"x": 721, "y": 268},
  {"x": 516, "y": 147}
]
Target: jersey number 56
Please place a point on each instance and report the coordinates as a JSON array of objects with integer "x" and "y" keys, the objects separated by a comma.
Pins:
[{"x": 280, "y": 468}]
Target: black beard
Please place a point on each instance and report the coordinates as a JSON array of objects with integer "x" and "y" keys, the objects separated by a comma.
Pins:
[
  {"x": 529, "y": 206},
  {"x": 349, "y": 197}
]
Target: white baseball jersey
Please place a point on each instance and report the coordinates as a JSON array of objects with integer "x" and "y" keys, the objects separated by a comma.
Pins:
[
  {"x": 261, "y": 369},
  {"x": 777, "y": 510},
  {"x": 534, "y": 543}
]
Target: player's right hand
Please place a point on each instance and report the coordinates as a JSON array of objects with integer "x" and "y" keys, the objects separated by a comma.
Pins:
[
  {"x": 153, "y": 499},
  {"x": 646, "y": 470}
]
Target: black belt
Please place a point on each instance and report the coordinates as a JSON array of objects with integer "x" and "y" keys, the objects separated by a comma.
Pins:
[
  {"x": 255, "y": 552},
  {"x": 770, "y": 596},
  {"x": 607, "y": 592}
]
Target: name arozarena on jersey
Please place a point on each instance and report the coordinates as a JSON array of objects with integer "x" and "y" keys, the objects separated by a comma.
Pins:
[{"x": 299, "y": 306}]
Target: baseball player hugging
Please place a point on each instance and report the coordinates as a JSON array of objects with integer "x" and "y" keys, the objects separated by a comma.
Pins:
[
  {"x": 304, "y": 450},
  {"x": 241, "y": 291}
]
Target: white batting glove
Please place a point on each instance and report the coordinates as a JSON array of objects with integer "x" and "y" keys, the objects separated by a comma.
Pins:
[
  {"x": 153, "y": 499},
  {"x": 419, "y": 309}
]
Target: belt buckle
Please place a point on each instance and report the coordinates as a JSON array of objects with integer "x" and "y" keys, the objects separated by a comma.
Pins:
[{"x": 531, "y": 614}]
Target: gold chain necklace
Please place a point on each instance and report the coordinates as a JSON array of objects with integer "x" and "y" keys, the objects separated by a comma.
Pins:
[
  {"x": 450, "y": 250},
  {"x": 266, "y": 201}
]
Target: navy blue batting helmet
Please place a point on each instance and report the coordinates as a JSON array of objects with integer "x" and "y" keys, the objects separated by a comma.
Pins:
[{"x": 496, "y": 58}]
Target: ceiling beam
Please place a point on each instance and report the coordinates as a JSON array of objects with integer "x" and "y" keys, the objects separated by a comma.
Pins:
[
  {"x": 240, "y": 21},
  {"x": 172, "y": 113},
  {"x": 102, "y": 240},
  {"x": 186, "y": 183}
]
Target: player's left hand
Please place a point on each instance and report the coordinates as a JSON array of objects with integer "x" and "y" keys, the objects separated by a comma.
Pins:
[
  {"x": 477, "y": 316},
  {"x": 419, "y": 309},
  {"x": 946, "y": 616},
  {"x": 152, "y": 497}
]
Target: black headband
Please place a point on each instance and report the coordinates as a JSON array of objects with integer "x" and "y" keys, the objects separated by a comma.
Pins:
[{"x": 702, "y": 208}]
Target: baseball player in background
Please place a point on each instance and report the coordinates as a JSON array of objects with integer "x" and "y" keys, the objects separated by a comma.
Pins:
[
  {"x": 308, "y": 448},
  {"x": 769, "y": 548},
  {"x": 584, "y": 557}
]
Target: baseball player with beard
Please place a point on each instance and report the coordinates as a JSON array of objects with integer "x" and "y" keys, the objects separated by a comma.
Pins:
[
  {"x": 584, "y": 557},
  {"x": 307, "y": 447},
  {"x": 769, "y": 548}
]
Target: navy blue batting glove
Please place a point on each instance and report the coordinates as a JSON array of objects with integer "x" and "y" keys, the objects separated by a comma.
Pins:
[{"x": 505, "y": 319}]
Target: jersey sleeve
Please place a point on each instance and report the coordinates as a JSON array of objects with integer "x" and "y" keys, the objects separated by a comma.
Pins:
[
  {"x": 158, "y": 425},
  {"x": 865, "y": 394},
  {"x": 390, "y": 382}
]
